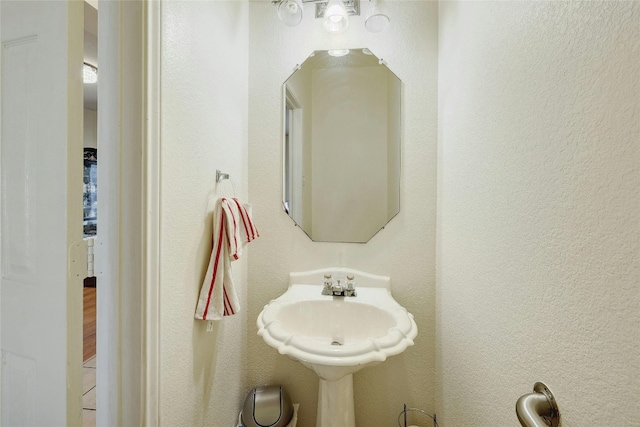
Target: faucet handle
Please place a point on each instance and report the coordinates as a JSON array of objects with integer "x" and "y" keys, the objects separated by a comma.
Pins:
[
  {"x": 351, "y": 284},
  {"x": 328, "y": 284}
]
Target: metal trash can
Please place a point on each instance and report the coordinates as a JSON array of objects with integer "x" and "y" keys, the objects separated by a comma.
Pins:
[{"x": 267, "y": 406}]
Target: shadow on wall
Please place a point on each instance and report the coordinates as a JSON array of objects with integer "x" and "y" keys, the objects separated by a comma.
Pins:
[
  {"x": 205, "y": 342},
  {"x": 205, "y": 358}
]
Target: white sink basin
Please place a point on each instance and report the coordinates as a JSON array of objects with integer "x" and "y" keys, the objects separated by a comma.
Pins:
[{"x": 337, "y": 336}]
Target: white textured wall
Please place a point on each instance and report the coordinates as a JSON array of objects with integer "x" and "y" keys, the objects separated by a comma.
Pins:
[
  {"x": 404, "y": 250},
  {"x": 538, "y": 224},
  {"x": 204, "y": 127}
]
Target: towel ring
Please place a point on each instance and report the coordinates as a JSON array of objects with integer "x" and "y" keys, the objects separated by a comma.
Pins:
[{"x": 221, "y": 176}]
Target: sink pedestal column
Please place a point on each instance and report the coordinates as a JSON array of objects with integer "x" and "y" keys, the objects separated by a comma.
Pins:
[{"x": 335, "y": 403}]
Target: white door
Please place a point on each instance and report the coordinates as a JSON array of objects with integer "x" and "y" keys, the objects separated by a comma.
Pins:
[{"x": 41, "y": 212}]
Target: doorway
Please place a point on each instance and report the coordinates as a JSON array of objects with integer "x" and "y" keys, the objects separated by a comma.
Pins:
[{"x": 90, "y": 212}]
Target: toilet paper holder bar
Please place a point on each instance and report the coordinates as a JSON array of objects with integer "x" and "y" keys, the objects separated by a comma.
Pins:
[{"x": 538, "y": 409}]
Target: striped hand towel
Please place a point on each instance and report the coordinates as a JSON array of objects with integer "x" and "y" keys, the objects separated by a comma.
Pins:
[{"x": 232, "y": 229}]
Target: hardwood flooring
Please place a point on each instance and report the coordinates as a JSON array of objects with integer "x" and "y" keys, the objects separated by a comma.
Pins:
[{"x": 89, "y": 323}]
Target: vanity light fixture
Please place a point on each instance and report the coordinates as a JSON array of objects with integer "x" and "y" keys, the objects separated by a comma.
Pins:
[
  {"x": 335, "y": 13},
  {"x": 89, "y": 74}
]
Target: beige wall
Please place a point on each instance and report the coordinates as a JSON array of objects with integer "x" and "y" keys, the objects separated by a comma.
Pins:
[
  {"x": 90, "y": 128},
  {"x": 204, "y": 128},
  {"x": 538, "y": 210},
  {"x": 404, "y": 250}
]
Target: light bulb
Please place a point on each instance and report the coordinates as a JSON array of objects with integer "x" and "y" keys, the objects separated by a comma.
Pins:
[
  {"x": 292, "y": 7},
  {"x": 335, "y": 17},
  {"x": 290, "y": 12}
]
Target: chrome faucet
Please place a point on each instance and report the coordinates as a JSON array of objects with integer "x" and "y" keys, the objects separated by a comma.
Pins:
[{"x": 337, "y": 289}]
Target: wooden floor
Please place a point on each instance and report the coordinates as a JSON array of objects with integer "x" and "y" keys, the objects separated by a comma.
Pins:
[{"x": 89, "y": 323}]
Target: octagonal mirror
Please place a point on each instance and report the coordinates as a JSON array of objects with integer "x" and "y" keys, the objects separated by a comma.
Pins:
[{"x": 342, "y": 137}]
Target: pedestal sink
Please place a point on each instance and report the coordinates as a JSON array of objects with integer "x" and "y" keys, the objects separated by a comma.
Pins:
[{"x": 337, "y": 336}]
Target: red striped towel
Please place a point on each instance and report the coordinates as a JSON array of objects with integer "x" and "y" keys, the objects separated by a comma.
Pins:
[{"x": 232, "y": 229}]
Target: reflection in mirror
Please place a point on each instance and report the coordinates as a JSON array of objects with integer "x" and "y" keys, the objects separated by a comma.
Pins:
[{"x": 342, "y": 127}]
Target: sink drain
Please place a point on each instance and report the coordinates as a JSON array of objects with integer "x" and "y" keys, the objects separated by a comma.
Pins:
[{"x": 336, "y": 343}]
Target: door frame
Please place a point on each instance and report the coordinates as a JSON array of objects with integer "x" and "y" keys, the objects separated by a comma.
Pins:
[
  {"x": 152, "y": 155},
  {"x": 294, "y": 158},
  {"x": 1, "y": 207},
  {"x": 128, "y": 253}
]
